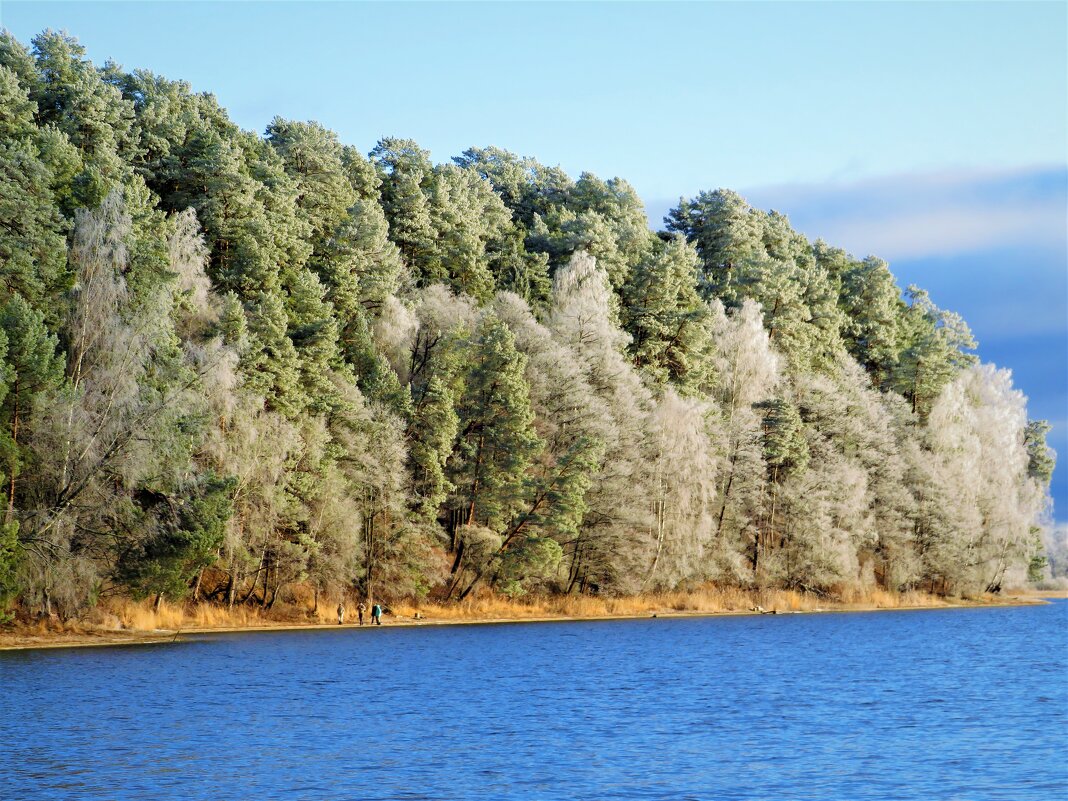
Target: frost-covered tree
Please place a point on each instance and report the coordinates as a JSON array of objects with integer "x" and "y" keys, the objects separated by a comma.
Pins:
[
  {"x": 246, "y": 367},
  {"x": 977, "y": 432},
  {"x": 609, "y": 555},
  {"x": 745, "y": 370},
  {"x": 682, "y": 491},
  {"x": 860, "y": 434},
  {"x": 113, "y": 442}
]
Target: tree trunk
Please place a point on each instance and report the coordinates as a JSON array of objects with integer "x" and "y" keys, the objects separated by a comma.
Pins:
[
  {"x": 474, "y": 480},
  {"x": 455, "y": 573},
  {"x": 573, "y": 570},
  {"x": 726, "y": 495},
  {"x": 370, "y": 546},
  {"x": 14, "y": 457},
  {"x": 660, "y": 528},
  {"x": 471, "y": 586},
  {"x": 251, "y": 589},
  {"x": 458, "y": 559},
  {"x": 266, "y": 585}
]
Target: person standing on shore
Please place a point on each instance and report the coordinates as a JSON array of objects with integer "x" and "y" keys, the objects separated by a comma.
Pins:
[
  {"x": 376, "y": 614},
  {"x": 361, "y": 607},
  {"x": 341, "y": 613}
]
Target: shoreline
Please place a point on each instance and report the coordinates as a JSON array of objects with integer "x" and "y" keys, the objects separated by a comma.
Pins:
[{"x": 101, "y": 638}]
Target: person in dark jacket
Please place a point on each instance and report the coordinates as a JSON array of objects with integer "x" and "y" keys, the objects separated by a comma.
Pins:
[{"x": 376, "y": 614}]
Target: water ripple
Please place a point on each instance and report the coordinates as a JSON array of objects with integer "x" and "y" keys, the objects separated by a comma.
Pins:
[{"x": 959, "y": 704}]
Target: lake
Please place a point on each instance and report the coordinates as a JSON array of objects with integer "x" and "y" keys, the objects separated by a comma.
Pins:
[{"x": 947, "y": 704}]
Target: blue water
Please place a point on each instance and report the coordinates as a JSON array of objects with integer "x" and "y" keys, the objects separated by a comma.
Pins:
[{"x": 956, "y": 704}]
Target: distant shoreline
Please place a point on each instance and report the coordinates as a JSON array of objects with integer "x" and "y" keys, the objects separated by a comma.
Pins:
[{"x": 24, "y": 639}]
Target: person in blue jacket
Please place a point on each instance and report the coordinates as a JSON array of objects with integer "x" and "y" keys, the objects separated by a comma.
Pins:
[{"x": 376, "y": 614}]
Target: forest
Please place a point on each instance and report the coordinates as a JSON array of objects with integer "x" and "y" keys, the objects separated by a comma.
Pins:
[{"x": 235, "y": 363}]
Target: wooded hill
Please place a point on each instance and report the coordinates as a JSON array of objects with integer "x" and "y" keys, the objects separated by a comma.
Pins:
[{"x": 284, "y": 361}]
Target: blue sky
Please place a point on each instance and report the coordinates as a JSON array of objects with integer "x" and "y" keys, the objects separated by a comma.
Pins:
[{"x": 931, "y": 134}]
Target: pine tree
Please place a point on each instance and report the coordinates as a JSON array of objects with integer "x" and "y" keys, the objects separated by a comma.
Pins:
[
  {"x": 871, "y": 302},
  {"x": 496, "y": 439},
  {"x": 275, "y": 356},
  {"x": 495, "y": 445},
  {"x": 34, "y": 368},
  {"x": 183, "y": 541},
  {"x": 934, "y": 350},
  {"x": 73, "y": 95},
  {"x": 1041, "y": 459},
  {"x": 666, "y": 318},
  {"x": 573, "y": 423},
  {"x": 313, "y": 159},
  {"x": 32, "y": 247}
]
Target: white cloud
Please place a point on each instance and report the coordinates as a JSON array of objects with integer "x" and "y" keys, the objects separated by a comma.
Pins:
[
  {"x": 925, "y": 214},
  {"x": 944, "y": 231},
  {"x": 933, "y": 214}
]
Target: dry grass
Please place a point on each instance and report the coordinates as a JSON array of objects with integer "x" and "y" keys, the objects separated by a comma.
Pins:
[
  {"x": 878, "y": 598},
  {"x": 141, "y": 616},
  {"x": 1036, "y": 592},
  {"x": 708, "y": 599},
  {"x": 123, "y": 619}
]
